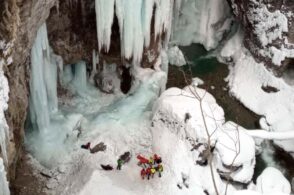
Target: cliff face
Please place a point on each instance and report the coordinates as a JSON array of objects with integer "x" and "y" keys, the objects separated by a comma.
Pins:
[
  {"x": 269, "y": 30},
  {"x": 19, "y": 24},
  {"x": 72, "y": 34}
]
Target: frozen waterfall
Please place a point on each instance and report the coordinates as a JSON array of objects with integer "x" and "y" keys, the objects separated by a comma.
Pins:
[
  {"x": 198, "y": 21},
  {"x": 43, "y": 99},
  {"x": 134, "y": 18}
]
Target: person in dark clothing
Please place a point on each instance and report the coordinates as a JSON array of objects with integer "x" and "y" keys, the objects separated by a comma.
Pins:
[
  {"x": 148, "y": 172},
  {"x": 119, "y": 164},
  {"x": 86, "y": 146}
]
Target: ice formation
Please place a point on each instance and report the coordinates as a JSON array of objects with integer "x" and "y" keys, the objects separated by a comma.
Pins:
[
  {"x": 198, "y": 21},
  {"x": 43, "y": 90},
  {"x": 4, "y": 129},
  {"x": 134, "y": 18},
  {"x": 4, "y": 189},
  {"x": 49, "y": 128}
]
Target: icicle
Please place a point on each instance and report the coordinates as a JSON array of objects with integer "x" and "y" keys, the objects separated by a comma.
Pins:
[
  {"x": 104, "y": 19},
  {"x": 43, "y": 90},
  {"x": 80, "y": 75},
  {"x": 134, "y": 19},
  {"x": 147, "y": 16},
  {"x": 4, "y": 189},
  {"x": 163, "y": 17},
  {"x": 94, "y": 63}
]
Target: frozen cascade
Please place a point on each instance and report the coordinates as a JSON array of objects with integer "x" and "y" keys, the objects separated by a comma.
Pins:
[
  {"x": 104, "y": 19},
  {"x": 4, "y": 129},
  {"x": 43, "y": 99},
  {"x": 95, "y": 61},
  {"x": 198, "y": 21},
  {"x": 4, "y": 189},
  {"x": 80, "y": 75},
  {"x": 134, "y": 18}
]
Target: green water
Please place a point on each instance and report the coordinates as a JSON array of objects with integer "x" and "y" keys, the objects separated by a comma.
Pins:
[
  {"x": 213, "y": 73},
  {"x": 200, "y": 65}
]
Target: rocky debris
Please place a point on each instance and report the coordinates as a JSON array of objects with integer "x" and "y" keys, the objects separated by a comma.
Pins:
[
  {"x": 108, "y": 80},
  {"x": 98, "y": 148},
  {"x": 204, "y": 153},
  {"x": 62, "y": 169},
  {"x": 270, "y": 89},
  {"x": 106, "y": 167},
  {"x": 46, "y": 174}
]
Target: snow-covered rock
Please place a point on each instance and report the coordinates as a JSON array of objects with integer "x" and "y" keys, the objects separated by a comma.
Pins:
[
  {"x": 108, "y": 81},
  {"x": 236, "y": 150},
  {"x": 180, "y": 110},
  {"x": 272, "y": 181},
  {"x": 176, "y": 57},
  {"x": 197, "y": 81},
  {"x": 246, "y": 79},
  {"x": 267, "y": 27}
]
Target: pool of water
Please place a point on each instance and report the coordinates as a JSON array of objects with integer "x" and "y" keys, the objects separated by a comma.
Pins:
[{"x": 213, "y": 73}]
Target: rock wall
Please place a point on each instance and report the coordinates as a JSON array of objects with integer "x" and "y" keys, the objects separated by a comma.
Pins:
[
  {"x": 18, "y": 27},
  {"x": 269, "y": 30},
  {"x": 72, "y": 34}
]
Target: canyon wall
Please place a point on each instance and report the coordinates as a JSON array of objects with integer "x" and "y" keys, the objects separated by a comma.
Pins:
[{"x": 269, "y": 30}]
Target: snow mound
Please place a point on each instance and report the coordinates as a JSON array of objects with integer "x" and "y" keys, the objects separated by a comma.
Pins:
[
  {"x": 236, "y": 149},
  {"x": 272, "y": 181},
  {"x": 180, "y": 110},
  {"x": 176, "y": 57}
]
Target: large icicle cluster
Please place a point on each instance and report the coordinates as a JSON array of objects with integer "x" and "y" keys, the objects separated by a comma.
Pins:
[
  {"x": 43, "y": 99},
  {"x": 134, "y": 18},
  {"x": 199, "y": 21}
]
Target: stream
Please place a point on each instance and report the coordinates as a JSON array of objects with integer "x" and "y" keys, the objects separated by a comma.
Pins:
[{"x": 213, "y": 73}]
